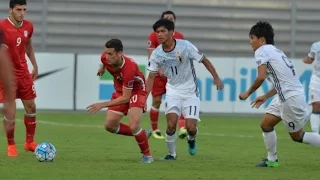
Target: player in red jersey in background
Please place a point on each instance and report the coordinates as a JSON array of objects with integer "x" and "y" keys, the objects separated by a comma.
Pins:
[
  {"x": 6, "y": 79},
  {"x": 130, "y": 95},
  {"x": 160, "y": 81},
  {"x": 17, "y": 42}
]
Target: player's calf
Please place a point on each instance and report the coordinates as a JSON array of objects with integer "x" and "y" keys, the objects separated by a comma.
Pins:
[{"x": 191, "y": 126}]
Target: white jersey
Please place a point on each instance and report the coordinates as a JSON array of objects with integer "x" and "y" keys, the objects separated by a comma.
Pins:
[
  {"x": 281, "y": 72},
  {"x": 178, "y": 67},
  {"x": 315, "y": 54}
]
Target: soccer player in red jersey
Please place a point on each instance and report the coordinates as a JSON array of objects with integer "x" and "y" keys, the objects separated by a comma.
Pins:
[
  {"x": 130, "y": 95},
  {"x": 17, "y": 42},
  {"x": 159, "y": 87}
]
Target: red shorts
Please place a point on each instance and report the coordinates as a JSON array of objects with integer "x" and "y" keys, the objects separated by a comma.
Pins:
[
  {"x": 23, "y": 89},
  {"x": 159, "y": 86},
  {"x": 138, "y": 99}
]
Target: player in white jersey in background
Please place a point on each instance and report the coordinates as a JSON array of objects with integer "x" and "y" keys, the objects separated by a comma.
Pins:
[
  {"x": 314, "y": 87},
  {"x": 290, "y": 105},
  {"x": 175, "y": 57}
]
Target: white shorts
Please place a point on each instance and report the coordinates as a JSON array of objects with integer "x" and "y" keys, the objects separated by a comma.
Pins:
[
  {"x": 293, "y": 112},
  {"x": 188, "y": 106}
]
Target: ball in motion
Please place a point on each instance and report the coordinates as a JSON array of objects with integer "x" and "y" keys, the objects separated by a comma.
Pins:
[{"x": 45, "y": 152}]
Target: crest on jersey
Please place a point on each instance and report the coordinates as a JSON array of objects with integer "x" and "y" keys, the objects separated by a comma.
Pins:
[
  {"x": 178, "y": 55},
  {"x": 149, "y": 43},
  {"x": 25, "y": 33}
]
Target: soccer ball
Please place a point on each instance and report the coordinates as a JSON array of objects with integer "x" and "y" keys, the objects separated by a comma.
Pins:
[{"x": 45, "y": 152}]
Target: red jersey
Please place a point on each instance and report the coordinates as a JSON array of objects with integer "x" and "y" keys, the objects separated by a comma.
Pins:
[
  {"x": 128, "y": 75},
  {"x": 16, "y": 39},
  {"x": 154, "y": 40}
]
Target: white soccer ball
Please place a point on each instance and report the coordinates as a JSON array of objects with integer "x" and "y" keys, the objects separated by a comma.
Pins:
[{"x": 45, "y": 152}]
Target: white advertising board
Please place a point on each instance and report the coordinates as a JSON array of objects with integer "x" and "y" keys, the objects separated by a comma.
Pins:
[{"x": 55, "y": 83}]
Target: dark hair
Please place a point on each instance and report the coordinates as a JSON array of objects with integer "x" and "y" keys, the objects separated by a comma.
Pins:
[
  {"x": 13, "y": 3},
  {"x": 263, "y": 29},
  {"x": 165, "y": 23},
  {"x": 114, "y": 43},
  {"x": 168, "y": 12}
]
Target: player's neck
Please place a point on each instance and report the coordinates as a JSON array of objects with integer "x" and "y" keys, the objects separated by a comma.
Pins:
[
  {"x": 119, "y": 64},
  {"x": 169, "y": 45},
  {"x": 15, "y": 22}
]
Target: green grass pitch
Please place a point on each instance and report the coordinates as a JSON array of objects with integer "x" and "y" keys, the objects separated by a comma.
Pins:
[{"x": 228, "y": 148}]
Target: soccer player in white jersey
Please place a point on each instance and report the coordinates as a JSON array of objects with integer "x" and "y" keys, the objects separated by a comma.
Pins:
[
  {"x": 176, "y": 58},
  {"x": 314, "y": 87},
  {"x": 290, "y": 105}
]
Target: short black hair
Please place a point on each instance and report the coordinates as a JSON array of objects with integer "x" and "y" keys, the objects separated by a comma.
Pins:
[
  {"x": 165, "y": 23},
  {"x": 168, "y": 12},
  {"x": 263, "y": 29},
  {"x": 114, "y": 43},
  {"x": 13, "y": 3}
]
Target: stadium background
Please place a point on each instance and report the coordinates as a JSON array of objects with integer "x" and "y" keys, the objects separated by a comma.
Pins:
[{"x": 69, "y": 37}]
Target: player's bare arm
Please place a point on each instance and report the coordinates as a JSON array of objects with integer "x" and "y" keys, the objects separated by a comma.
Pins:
[
  {"x": 262, "y": 99},
  {"x": 31, "y": 55},
  {"x": 125, "y": 98},
  {"x": 262, "y": 74},
  {"x": 101, "y": 70},
  {"x": 213, "y": 72},
  {"x": 149, "y": 82},
  {"x": 308, "y": 60}
]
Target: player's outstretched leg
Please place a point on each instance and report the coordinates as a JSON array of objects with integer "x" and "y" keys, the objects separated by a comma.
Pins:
[
  {"x": 140, "y": 134},
  {"x": 270, "y": 140},
  {"x": 171, "y": 137},
  {"x": 315, "y": 117},
  {"x": 113, "y": 125},
  {"x": 192, "y": 130},
  {"x": 154, "y": 117},
  {"x": 182, "y": 127},
  {"x": 30, "y": 124}
]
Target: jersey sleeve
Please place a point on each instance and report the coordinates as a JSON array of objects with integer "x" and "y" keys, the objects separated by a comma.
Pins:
[
  {"x": 194, "y": 54},
  {"x": 153, "y": 65},
  {"x": 152, "y": 41},
  {"x": 128, "y": 76},
  {"x": 313, "y": 50},
  {"x": 261, "y": 57}
]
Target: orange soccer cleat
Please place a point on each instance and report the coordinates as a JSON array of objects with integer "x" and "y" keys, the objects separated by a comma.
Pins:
[
  {"x": 30, "y": 146},
  {"x": 12, "y": 151}
]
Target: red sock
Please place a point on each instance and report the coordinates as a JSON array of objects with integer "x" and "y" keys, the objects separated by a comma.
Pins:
[
  {"x": 30, "y": 123},
  {"x": 9, "y": 126},
  {"x": 181, "y": 122},
  {"x": 154, "y": 117},
  {"x": 143, "y": 143},
  {"x": 124, "y": 130}
]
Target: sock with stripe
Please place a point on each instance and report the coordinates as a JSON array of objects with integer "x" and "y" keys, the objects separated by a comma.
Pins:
[
  {"x": 142, "y": 140},
  {"x": 9, "y": 126},
  {"x": 30, "y": 124}
]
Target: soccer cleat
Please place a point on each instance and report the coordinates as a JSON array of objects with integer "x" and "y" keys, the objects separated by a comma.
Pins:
[
  {"x": 169, "y": 157},
  {"x": 182, "y": 133},
  {"x": 12, "y": 151},
  {"x": 192, "y": 147},
  {"x": 266, "y": 163},
  {"x": 157, "y": 135},
  {"x": 147, "y": 159},
  {"x": 30, "y": 146}
]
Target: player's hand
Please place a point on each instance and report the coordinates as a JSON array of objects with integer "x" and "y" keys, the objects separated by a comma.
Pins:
[
  {"x": 34, "y": 73},
  {"x": 101, "y": 71},
  {"x": 4, "y": 47},
  {"x": 217, "y": 82},
  {"x": 244, "y": 96},
  {"x": 307, "y": 60},
  {"x": 258, "y": 101},
  {"x": 93, "y": 108}
]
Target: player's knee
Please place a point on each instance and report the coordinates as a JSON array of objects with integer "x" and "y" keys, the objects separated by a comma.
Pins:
[
  {"x": 316, "y": 107},
  {"x": 191, "y": 129},
  {"x": 156, "y": 103},
  {"x": 171, "y": 127},
  {"x": 297, "y": 136},
  {"x": 30, "y": 108},
  {"x": 266, "y": 127},
  {"x": 110, "y": 128}
]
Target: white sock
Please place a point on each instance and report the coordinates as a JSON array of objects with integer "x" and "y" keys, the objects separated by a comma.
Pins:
[
  {"x": 270, "y": 141},
  {"x": 315, "y": 122},
  {"x": 171, "y": 144},
  {"x": 192, "y": 137},
  {"x": 311, "y": 138}
]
